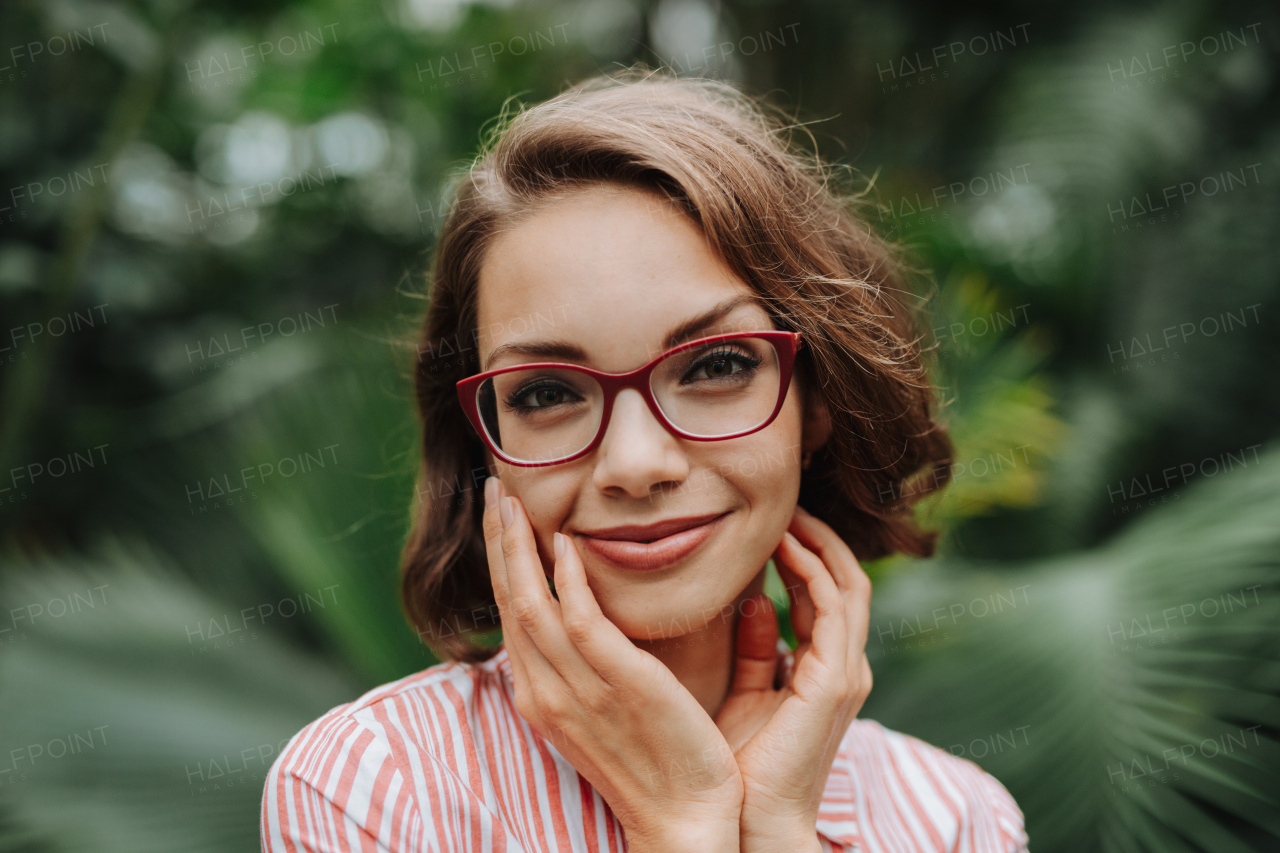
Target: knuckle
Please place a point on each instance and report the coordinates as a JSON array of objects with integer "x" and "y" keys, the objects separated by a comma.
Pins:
[
  {"x": 822, "y": 553},
  {"x": 852, "y": 684},
  {"x": 594, "y": 702},
  {"x": 557, "y": 735},
  {"x": 524, "y": 609},
  {"x": 525, "y": 705},
  {"x": 866, "y": 680},
  {"x": 501, "y": 599},
  {"x": 552, "y": 708},
  {"x": 579, "y": 629}
]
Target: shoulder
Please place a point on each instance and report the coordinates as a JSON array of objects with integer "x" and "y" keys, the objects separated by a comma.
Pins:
[
  {"x": 887, "y": 790},
  {"x": 363, "y": 762},
  {"x": 350, "y": 729}
]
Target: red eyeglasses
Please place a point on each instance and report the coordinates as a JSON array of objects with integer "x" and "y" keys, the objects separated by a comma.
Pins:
[{"x": 715, "y": 388}]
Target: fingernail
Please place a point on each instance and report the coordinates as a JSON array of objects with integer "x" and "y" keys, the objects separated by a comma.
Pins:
[
  {"x": 801, "y": 510},
  {"x": 558, "y": 543},
  {"x": 507, "y": 512},
  {"x": 490, "y": 492},
  {"x": 791, "y": 539}
]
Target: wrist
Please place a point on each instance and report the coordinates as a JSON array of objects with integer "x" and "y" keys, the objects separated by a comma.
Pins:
[
  {"x": 781, "y": 838},
  {"x": 801, "y": 843},
  {"x": 676, "y": 837}
]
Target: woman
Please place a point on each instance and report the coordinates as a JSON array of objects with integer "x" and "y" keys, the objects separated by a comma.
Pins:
[{"x": 661, "y": 334}]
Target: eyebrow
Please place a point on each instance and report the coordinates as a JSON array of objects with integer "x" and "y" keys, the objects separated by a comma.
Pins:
[
  {"x": 686, "y": 331},
  {"x": 544, "y": 349},
  {"x": 691, "y": 328}
]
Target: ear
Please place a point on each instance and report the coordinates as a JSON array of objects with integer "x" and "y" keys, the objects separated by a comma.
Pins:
[{"x": 816, "y": 426}]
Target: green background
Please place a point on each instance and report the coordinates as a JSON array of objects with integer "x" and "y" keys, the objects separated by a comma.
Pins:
[{"x": 1039, "y": 186}]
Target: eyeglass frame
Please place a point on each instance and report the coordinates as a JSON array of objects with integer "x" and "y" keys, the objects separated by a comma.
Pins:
[{"x": 785, "y": 344}]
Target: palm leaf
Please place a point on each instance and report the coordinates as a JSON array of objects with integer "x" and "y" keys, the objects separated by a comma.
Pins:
[
  {"x": 1127, "y": 697},
  {"x": 310, "y": 474},
  {"x": 169, "y": 739}
]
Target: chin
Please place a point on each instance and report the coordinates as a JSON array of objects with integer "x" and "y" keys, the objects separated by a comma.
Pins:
[
  {"x": 670, "y": 627},
  {"x": 661, "y": 611}
]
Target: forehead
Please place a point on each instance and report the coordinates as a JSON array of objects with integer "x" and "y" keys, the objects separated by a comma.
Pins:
[{"x": 612, "y": 270}]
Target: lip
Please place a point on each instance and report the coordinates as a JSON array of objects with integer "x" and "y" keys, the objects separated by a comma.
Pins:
[{"x": 652, "y": 546}]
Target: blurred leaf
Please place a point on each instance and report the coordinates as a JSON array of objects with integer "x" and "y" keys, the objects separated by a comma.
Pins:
[
  {"x": 1126, "y": 696},
  {"x": 999, "y": 407},
  {"x": 122, "y": 728},
  {"x": 324, "y": 478}
]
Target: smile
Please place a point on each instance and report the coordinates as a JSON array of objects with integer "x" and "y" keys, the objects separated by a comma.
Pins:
[{"x": 653, "y": 546}]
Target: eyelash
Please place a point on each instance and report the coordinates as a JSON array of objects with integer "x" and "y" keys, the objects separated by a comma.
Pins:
[
  {"x": 751, "y": 361},
  {"x": 512, "y": 401}
]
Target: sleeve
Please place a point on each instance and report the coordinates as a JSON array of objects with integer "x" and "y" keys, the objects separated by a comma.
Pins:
[
  {"x": 337, "y": 789},
  {"x": 888, "y": 792},
  {"x": 310, "y": 822},
  {"x": 344, "y": 785},
  {"x": 993, "y": 820}
]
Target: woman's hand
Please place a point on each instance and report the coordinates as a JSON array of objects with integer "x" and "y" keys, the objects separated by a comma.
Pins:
[
  {"x": 613, "y": 710},
  {"x": 786, "y": 739}
]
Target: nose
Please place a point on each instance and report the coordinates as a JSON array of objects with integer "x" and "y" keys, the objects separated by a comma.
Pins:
[{"x": 637, "y": 455}]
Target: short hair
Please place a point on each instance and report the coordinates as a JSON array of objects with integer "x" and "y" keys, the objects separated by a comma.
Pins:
[{"x": 768, "y": 209}]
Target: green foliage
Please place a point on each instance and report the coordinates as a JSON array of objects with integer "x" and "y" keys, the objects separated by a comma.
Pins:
[
  {"x": 130, "y": 729},
  {"x": 1040, "y": 282},
  {"x": 1128, "y": 693},
  {"x": 999, "y": 406}
]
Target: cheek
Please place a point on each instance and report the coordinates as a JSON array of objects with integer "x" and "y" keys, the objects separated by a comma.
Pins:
[
  {"x": 772, "y": 460},
  {"x": 548, "y": 496},
  {"x": 766, "y": 474},
  {"x": 760, "y": 471}
]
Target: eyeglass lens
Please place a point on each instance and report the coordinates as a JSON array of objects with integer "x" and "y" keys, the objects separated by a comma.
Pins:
[{"x": 546, "y": 413}]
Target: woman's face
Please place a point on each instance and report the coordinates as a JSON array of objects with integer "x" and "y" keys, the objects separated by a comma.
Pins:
[{"x": 613, "y": 272}]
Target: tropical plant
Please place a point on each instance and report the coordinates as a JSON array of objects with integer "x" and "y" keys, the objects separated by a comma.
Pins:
[
  {"x": 1126, "y": 695},
  {"x": 168, "y": 618}
]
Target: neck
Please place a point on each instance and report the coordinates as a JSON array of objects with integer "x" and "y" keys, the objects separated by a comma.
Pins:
[{"x": 702, "y": 660}]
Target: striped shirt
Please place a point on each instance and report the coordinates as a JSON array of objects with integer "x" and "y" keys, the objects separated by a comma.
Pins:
[{"x": 442, "y": 761}]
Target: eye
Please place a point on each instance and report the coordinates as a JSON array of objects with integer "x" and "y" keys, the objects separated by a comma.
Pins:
[
  {"x": 721, "y": 364},
  {"x": 540, "y": 395},
  {"x": 715, "y": 368}
]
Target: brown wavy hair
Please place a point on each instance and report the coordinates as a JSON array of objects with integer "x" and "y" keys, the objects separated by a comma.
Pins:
[{"x": 768, "y": 208}]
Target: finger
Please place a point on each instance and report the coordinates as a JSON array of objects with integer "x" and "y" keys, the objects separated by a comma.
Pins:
[
  {"x": 605, "y": 649},
  {"x": 801, "y": 613},
  {"x": 819, "y": 538},
  {"x": 853, "y": 582},
  {"x": 491, "y": 525},
  {"x": 512, "y": 634},
  {"x": 519, "y": 673},
  {"x": 756, "y": 659},
  {"x": 527, "y": 662},
  {"x": 525, "y": 575},
  {"x": 531, "y": 674},
  {"x": 830, "y": 627},
  {"x": 540, "y": 615},
  {"x": 786, "y": 666},
  {"x": 801, "y": 604},
  {"x": 536, "y": 683}
]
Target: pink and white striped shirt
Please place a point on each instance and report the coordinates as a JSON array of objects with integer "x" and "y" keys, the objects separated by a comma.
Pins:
[{"x": 442, "y": 761}]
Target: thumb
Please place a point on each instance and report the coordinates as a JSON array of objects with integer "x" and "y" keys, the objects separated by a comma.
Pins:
[{"x": 756, "y": 658}]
